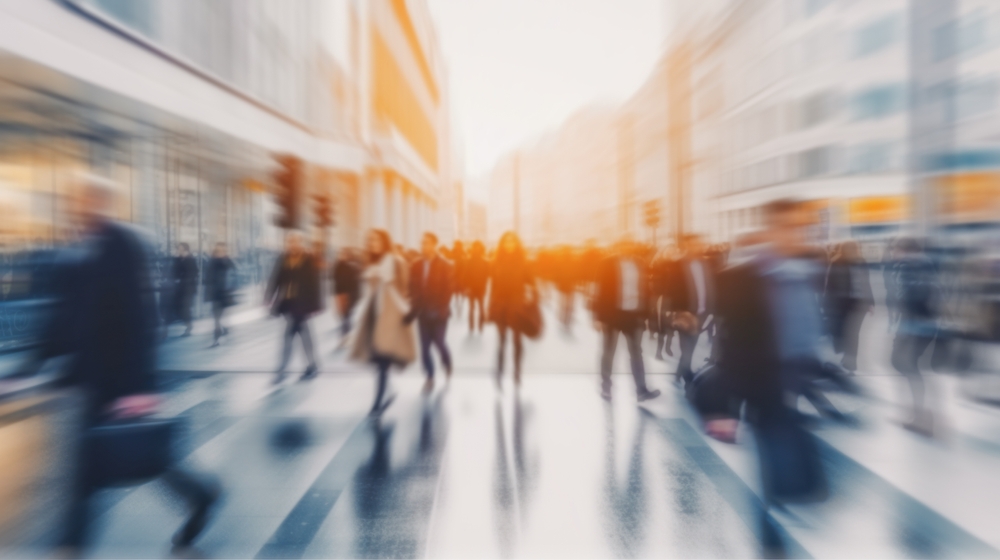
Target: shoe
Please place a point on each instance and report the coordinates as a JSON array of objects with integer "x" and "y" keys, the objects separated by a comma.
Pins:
[
  {"x": 310, "y": 373},
  {"x": 187, "y": 332},
  {"x": 646, "y": 395},
  {"x": 215, "y": 344},
  {"x": 183, "y": 538},
  {"x": 379, "y": 407},
  {"x": 278, "y": 378},
  {"x": 428, "y": 386},
  {"x": 606, "y": 393}
]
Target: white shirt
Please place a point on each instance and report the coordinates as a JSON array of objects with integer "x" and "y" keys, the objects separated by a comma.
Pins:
[
  {"x": 630, "y": 285},
  {"x": 698, "y": 274}
]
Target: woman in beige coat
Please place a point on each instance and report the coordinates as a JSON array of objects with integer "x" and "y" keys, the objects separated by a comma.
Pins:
[{"x": 381, "y": 335}]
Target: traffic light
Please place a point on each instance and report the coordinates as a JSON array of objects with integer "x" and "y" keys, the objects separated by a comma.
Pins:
[
  {"x": 651, "y": 211},
  {"x": 323, "y": 206},
  {"x": 288, "y": 179}
]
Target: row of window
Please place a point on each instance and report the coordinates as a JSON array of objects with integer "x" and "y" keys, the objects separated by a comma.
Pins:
[{"x": 867, "y": 158}]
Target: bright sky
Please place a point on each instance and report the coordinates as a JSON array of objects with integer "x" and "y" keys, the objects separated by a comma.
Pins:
[{"x": 520, "y": 67}]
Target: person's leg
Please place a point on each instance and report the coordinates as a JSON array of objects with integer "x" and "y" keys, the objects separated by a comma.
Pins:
[
  {"x": 286, "y": 349},
  {"x": 518, "y": 354},
  {"x": 502, "y": 330},
  {"x": 851, "y": 337},
  {"x": 633, "y": 340},
  {"x": 688, "y": 342},
  {"x": 217, "y": 310},
  {"x": 307, "y": 343},
  {"x": 610, "y": 341},
  {"x": 906, "y": 352},
  {"x": 425, "y": 328},
  {"x": 200, "y": 492},
  {"x": 482, "y": 311},
  {"x": 440, "y": 340},
  {"x": 382, "y": 367},
  {"x": 77, "y": 520}
]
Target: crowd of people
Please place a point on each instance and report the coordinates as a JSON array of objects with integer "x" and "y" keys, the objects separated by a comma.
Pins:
[{"x": 764, "y": 307}]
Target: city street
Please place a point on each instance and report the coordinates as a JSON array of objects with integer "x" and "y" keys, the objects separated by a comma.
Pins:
[{"x": 547, "y": 471}]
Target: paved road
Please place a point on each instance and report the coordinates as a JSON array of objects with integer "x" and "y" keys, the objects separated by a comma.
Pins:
[{"x": 547, "y": 471}]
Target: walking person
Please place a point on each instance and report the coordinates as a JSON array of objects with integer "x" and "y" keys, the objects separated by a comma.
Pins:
[
  {"x": 106, "y": 319},
  {"x": 477, "y": 276},
  {"x": 346, "y": 288},
  {"x": 184, "y": 274},
  {"x": 294, "y": 293},
  {"x": 219, "y": 288},
  {"x": 621, "y": 307},
  {"x": 381, "y": 335},
  {"x": 512, "y": 289},
  {"x": 459, "y": 260},
  {"x": 692, "y": 289},
  {"x": 847, "y": 299},
  {"x": 917, "y": 285},
  {"x": 770, "y": 334},
  {"x": 432, "y": 283}
]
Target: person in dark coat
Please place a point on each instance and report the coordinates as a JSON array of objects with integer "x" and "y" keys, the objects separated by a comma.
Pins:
[
  {"x": 458, "y": 257},
  {"x": 512, "y": 284},
  {"x": 847, "y": 299},
  {"x": 219, "y": 288},
  {"x": 432, "y": 283},
  {"x": 346, "y": 288},
  {"x": 769, "y": 335},
  {"x": 620, "y": 307},
  {"x": 106, "y": 319},
  {"x": 294, "y": 293},
  {"x": 691, "y": 286},
  {"x": 184, "y": 273},
  {"x": 477, "y": 276}
]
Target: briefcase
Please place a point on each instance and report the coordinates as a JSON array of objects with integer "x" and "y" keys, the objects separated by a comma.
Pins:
[{"x": 130, "y": 452}]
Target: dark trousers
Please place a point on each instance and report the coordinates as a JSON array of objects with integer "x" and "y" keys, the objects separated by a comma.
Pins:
[
  {"x": 218, "y": 309},
  {"x": 633, "y": 340},
  {"x": 518, "y": 349},
  {"x": 432, "y": 333},
  {"x": 198, "y": 490},
  {"x": 906, "y": 352},
  {"x": 476, "y": 302},
  {"x": 382, "y": 365},
  {"x": 297, "y": 324},
  {"x": 688, "y": 343}
]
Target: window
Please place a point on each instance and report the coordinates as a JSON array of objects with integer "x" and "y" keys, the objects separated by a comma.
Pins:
[
  {"x": 818, "y": 108},
  {"x": 877, "y": 36},
  {"x": 872, "y": 157},
  {"x": 879, "y": 102},
  {"x": 816, "y": 161}
]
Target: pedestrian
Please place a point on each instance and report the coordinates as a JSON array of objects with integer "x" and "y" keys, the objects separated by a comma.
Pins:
[
  {"x": 432, "y": 283},
  {"x": 847, "y": 299},
  {"x": 512, "y": 289},
  {"x": 477, "y": 276},
  {"x": 106, "y": 319},
  {"x": 692, "y": 289},
  {"x": 916, "y": 298},
  {"x": 219, "y": 288},
  {"x": 565, "y": 280},
  {"x": 346, "y": 276},
  {"x": 294, "y": 293},
  {"x": 459, "y": 259},
  {"x": 184, "y": 273},
  {"x": 381, "y": 334},
  {"x": 620, "y": 307},
  {"x": 770, "y": 333}
]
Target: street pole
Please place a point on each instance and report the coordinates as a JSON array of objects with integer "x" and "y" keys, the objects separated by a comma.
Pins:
[{"x": 679, "y": 130}]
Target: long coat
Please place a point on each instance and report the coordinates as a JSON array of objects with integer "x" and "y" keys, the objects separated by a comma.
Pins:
[
  {"x": 511, "y": 276},
  {"x": 380, "y": 329},
  {"x": 304, "y": 279}
]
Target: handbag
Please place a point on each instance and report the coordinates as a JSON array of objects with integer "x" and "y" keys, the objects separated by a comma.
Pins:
[
  {"x": 791, "y": 467},
  {"x": 129, "y": 452},
  {"x": 529, "y": 319}
]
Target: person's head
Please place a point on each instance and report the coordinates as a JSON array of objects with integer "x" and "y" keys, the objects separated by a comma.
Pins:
[
  {"x": 97, "y": 199},
  {"x": 220, "y": 250},
  {"x": 183, "y": 249},
  {"x": 850, "y": 251},
  {"x": 625, "y": 245},
  {"x": 293, "y": 242},
  {"x": 788, "y": 223},
  {"x": 378, "y": 243},
  {"x": 477, "y": 249},
  {"x": 428, "y": 245},
  {"x": 510, "y": 244},
  {"x": 693, "y": 244},
  {"x": 458, "y": 248}
]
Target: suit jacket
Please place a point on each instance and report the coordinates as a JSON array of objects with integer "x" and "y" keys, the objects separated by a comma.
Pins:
[
  {"x": 681, "y": 287},
  {"x": 112, "y": 314},
  {"x": 477, "y": 274},
  {"x": 607, "y": 302},
  {"x": 304, "y": 279},
  {"x": 748, "y": 344},
  {"x": 430, "y": 296}
]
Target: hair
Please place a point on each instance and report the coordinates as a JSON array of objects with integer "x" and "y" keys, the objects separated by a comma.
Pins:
[
  {"x": 387, "y": 245},
  {"x": 104, "y": 186},
  {"x": 433, "y": 238},
  {"x": 477, "y": 249},
  {"x": 518, "y": 249},
  {"x": 780, "y": 207}
]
